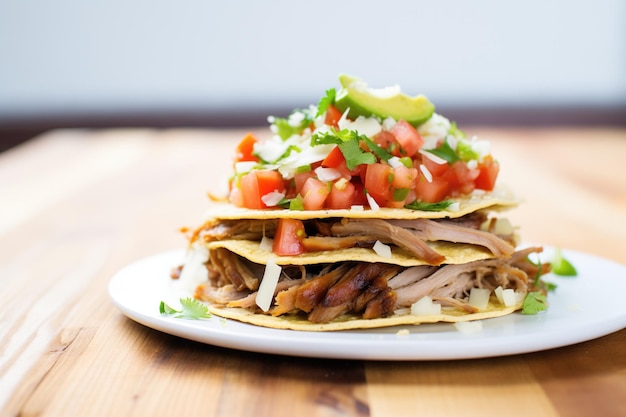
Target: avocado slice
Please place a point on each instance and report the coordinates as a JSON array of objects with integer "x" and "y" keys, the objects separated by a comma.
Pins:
[{"x": 386, "y": 102}]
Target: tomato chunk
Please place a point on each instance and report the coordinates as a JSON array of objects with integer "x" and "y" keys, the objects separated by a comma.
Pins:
[
  {"x": 341, "y": 195},
  {"x": 487, "y": 173},
  {"x": 408, "y": 137},
  {"x": 333, "y": 114},
  {"x": 314, "y": 194},
  {"x": 431, "y": 191},
  {"x": 256, "y": 184},
  {"x": 288, "y": 237},
  {"x": 378, "y": 178},
  {"x": 334, "y": 158},
  {"x": 246, "y": 148}
]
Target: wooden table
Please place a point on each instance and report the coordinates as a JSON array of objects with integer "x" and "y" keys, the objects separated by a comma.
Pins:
[{"x": 78, "y": 205}]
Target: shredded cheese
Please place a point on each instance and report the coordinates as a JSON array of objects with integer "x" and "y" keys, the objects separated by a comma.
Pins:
[
  {"x": 268, "y": 285},
  {"x": 370, "y": 200}
]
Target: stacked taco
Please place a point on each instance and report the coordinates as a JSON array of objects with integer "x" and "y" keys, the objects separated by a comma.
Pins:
[{"x": 366, "y": 210}]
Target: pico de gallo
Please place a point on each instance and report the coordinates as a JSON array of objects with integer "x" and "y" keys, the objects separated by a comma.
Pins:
[{"x": 320, "y": 158}]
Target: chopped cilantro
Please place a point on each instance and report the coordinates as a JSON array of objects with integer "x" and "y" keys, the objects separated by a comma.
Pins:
[
  {"x": 285, "y": 127},
  {"x": 419, "y": 205},
  {"x": 295, "y": 203},
  {"x": 326, "y": 101},
  {"x": 191, "y": 309},
  {"x": 561, "y": 266},
  {"x": 445, "y": 151},
  {"x": 465, "y": 151},
  {"x": 349, "y": 144},
  {"x": 534, "y": 302},
  {"x": 400, "y": 194},
  {"x": 379, "y": 151}
]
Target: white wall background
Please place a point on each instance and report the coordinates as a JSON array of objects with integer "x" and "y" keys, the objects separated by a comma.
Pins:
[{"x": 121, "y": 55}]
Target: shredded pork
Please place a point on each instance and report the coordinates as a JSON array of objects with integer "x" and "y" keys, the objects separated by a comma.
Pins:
[{"x": 321, "y": 293}]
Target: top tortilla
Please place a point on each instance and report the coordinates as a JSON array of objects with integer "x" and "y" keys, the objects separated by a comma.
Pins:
[{"x": 497, "y": 200}]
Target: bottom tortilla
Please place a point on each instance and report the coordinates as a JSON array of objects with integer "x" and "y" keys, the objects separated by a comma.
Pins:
[{"x": 345, "y": 322}]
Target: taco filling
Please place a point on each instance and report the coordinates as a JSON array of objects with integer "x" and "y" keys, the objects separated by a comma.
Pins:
[{"x": 367, "y": 210}]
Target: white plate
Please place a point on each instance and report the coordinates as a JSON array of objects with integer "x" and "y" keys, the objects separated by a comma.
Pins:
[{"x": 582, "y": 308}]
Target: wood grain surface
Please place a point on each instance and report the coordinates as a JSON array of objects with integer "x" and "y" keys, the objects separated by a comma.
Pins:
[{"x": 78, "y": 205}]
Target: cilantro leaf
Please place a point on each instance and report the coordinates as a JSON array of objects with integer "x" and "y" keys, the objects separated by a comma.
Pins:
[
  {"x": 190, "y": 309},
  {"x": 349, "y": 144},
  {"x": 534, "y": 302},
  {"x": 561, "y": 266},
  {"x": 326, "y": 101},
  {"x": 295, "y": 124},
  {"x": 419, "y": 205},
  {"x": 445, "y": 151},
  {"x": 296, "y": 203},
  {"x": 374, "y": 147}
]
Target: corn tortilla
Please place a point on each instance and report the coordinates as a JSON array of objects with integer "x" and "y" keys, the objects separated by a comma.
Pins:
[{"x": 353, "y": 322}]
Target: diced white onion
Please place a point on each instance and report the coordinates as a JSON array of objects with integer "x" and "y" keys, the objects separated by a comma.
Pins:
[
  {"x": 268, "y": 285},
  {"x": 479, "y": 297},
  {"x": 266, "y": 243},
  {"x": 367, "y": 126},
  {"x": 388, "y": 123},
  {"x": 273, "y": 198},
  {"x": 469, "y": 327},
  {"x": 245, "y": 166},
  {"x": 454, "y": 206},
  {"x": 425, "y": 307},
  {"x": 327, "y": 174},
  {"x": 357, "y": 208},
  {"x": 426, "y": 172},
  {"x": 395, "y": 162},
  {"x": 498, "y": 293},
  {"x": 508, "y": 297},
  {"x": 382, "y": 250}
]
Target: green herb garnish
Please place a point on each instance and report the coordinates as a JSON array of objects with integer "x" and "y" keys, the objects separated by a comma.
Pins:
[
  {"x": 534, "y": 302},
  {"x": 285, "y": 126},
  {"x": 326, "y": 101},
  {"x": 445, "y": 151},
  {"x": 419, "y": 205},
  {"x": 349, "y": 144},
  {"x": 191, "y": 309},
  {"x": 561, "y": 266}
]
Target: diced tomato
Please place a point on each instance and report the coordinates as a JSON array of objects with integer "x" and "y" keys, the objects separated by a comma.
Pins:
[
  {"x": 408, "y": 137},
  {"x": 434, "y": 168},
  {"x": 301, "y": 178},
  {"x": 488, "y": 172},
  {"x": 245, "y": 149},
  {"x": 256, "y": 184},
  {"x": 359, "y": 193},
  {"x": 341, "y": 195},
  {"x": 334, "y": 158},
  {"x": 333, "y": 114},
  {"x": 404, "y": 177},
  {"x": 288, "y": 237},
  {"x": 378, "y": 178},
  {"x": 387, "y": 141},
  {"x": 460, "y": 178},
  {"x": 431, "y": 191},
  {"x": 314, "y": 194}
]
